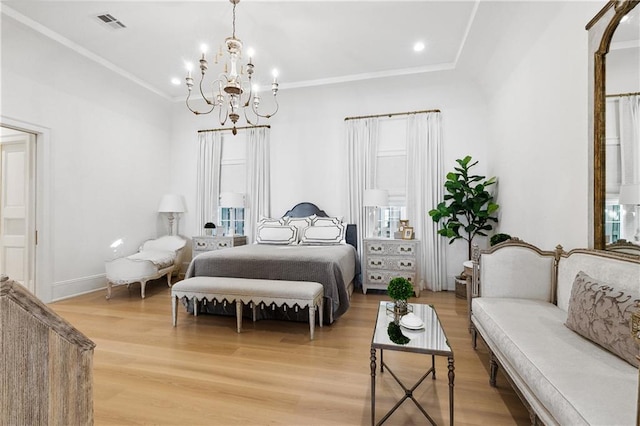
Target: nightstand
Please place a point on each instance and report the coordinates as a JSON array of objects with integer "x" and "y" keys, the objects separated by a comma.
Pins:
[
  {"x": 202, "y": 244},
  {"x": 386, "y": 258}
]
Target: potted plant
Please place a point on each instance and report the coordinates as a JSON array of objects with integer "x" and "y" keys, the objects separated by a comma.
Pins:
[
  {"x": 499, "y": 238},
  {"x": 468, "y": 208},
  {"x": 400, "y": 289}
]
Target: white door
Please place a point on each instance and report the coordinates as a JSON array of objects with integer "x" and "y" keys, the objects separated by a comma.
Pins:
[{"x": 17, "y": 220}]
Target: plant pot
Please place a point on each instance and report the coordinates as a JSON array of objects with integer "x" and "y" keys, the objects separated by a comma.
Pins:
[
  {"x": 400, "y": 307},
  {"x": 461, "y": 286}
]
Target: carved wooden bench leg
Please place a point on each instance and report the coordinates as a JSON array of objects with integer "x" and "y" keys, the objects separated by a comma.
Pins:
[
  {"x": 494, "y": 369},
  {"x": 474, "y": 336},
  {"x": 239, "y": 314}
]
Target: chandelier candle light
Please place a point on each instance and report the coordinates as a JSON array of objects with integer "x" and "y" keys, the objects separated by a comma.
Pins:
[{"x": 230, "y": 85}]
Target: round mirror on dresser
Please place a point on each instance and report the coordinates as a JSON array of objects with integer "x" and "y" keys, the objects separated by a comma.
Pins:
[{"x": 614, "y": 127}]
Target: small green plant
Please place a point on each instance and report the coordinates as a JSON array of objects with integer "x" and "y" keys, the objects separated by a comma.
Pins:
[
  {"x": 499, "y": 238},
  {"x": 395, "y": 334},
  {"x": 400, "y": 289}
]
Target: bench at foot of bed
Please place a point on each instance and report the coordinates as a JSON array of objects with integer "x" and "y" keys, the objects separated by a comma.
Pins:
[{"x": 254, "y": 291}]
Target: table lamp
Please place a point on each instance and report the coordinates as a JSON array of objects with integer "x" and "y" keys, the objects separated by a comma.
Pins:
[{"x": 171, "y": 204}]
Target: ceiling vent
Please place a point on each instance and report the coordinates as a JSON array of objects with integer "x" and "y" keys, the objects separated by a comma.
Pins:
[{"x": 111, "y": 22}]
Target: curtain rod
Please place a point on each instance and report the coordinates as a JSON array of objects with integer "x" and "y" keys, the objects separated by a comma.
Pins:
[
  {"x": 266, "y": 126},
  {"x": 620, "y": 95},
  {"x": 392, "y": 114}
]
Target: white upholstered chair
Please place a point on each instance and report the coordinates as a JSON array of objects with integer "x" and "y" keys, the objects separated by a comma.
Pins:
[{"x": 155, "y": 259}]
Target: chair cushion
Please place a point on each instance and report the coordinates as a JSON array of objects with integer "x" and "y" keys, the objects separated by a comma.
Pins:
[
  {"x": 168, "y": 242},
  {"x": 161, "y": 258},
  {"x": 578, "y": 381}
]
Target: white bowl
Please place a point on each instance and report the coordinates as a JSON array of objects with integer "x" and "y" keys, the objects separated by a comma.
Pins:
[{"x": 411, "y": 320}]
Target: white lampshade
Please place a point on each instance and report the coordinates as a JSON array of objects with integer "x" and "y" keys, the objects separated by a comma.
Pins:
[
  {"x": 231, "y": 200},
  {"x": 376, "y": 197},
  {"x": 630, "y": 194},
  {"x": 171, "y": 203}
]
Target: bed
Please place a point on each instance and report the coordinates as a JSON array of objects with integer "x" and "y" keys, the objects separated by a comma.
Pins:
[{"x": 334, "y": 265}]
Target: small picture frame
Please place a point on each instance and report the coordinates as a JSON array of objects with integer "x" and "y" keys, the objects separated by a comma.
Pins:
[{"x": 407, "y": 233}]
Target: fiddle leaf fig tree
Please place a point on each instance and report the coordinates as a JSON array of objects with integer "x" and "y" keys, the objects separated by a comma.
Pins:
[{"x": 468, "y": 208}]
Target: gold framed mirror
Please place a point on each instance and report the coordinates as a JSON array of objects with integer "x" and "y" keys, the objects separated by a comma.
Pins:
[{"x": 613, "y": 218}]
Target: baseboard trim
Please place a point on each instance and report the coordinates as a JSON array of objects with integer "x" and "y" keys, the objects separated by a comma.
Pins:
[{"x": 71, "y": 288}]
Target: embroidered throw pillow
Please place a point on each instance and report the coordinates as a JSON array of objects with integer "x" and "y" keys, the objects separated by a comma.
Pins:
[
  {"x": 323, "y": 235},
  {"x": 271, "y": 221},
  {"x": 602, "y": 313},
  {"x": 325, "y": 221},
  {"x": 277, "y": 234},
  {"x": 299, "y": 222}
]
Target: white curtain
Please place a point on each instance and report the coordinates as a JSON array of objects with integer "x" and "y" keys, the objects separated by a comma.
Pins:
[
  {"x": 629, "y": 122},
  {"x": 258, "y": 195},
  {"x": 362, "y": 146},
  {"x": 208, "y": 181},
  {"x": 425, "y": 189}
]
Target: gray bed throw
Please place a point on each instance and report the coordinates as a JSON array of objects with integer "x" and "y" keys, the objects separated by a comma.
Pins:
[{"x": 333, "y": 266}]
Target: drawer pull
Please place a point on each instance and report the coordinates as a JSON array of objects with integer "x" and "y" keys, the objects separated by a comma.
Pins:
[
  {"x": 201, "y": 244},
  {"x": 374, "y": 248},
  {"x": 373, "y": 277},
  {"x": 222, "y": 244},
  {"x": 407, "y": 249},
  {"x": 405, "y": 264},
  {"x": 374, "y": 263}
]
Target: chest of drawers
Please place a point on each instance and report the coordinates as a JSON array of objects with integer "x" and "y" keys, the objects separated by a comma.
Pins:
[
  {"x": 203, "y": 244},
  {"x": 385, "y": 259}
]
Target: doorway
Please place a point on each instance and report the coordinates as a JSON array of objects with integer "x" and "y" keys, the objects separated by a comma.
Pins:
[{"x": 17, "y": 206}]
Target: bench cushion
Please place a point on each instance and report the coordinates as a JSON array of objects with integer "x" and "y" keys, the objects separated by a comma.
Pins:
[
  {"x": 578, "y": 381},
  {"x": 301, "y": 290}
]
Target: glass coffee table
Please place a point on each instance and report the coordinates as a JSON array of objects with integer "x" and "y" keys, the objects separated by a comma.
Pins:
[{"x": 429, "y": 340}]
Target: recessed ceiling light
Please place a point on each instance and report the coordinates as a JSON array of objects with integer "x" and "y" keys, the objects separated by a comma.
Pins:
[
  {"x": 418, "y": 47},
  {"x": 175, "y": 81}
]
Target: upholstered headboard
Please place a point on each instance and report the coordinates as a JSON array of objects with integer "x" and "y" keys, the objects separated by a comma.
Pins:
[
  {"x": 309, "y": 209},
  {"x": 304, "y": 210}
]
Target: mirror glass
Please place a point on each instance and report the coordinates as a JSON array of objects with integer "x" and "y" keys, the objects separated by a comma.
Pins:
[{"x": 622, "y": 132}]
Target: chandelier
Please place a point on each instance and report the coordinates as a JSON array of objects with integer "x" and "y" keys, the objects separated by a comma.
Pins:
[{"x": 228, "y": 91}]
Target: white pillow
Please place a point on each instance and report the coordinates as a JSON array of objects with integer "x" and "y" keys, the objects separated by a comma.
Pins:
[
  {"x": 277, "y": 234},
  {"x": 299, "y": 222},
  {"x": 325, "y": 221},
  {"x": 323, "y": 235},
  {"x": 271, "y": 221}
]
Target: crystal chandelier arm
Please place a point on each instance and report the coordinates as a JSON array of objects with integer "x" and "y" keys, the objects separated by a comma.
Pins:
[
  {"x": 209, "y": 102},
  {"x": 248, "y": 120},
  {"x": 226, "y": 116},
  {"x": 267, "y": 116},
  {"x": 196, "y": 112}
]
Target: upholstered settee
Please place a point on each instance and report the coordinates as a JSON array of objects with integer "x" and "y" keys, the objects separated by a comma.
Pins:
[
  {"x": 154, "y": 259},
  {"x": 558, "y": 324}
]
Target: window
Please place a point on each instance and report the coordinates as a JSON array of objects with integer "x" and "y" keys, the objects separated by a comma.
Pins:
[
  {"x": 233, "y": 178},
  {"x": 232, "y": 219},
  {"x": 391, "y": 170}
]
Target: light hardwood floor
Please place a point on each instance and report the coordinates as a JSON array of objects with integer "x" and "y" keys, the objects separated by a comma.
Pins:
[{"x": 203, "y": 372}]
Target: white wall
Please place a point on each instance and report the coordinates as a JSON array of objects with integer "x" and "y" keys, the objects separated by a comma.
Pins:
[
  {"x": 308, "y": 142},
  {"x": 536, "y": 86},
  {"x": 109, "y": 145},
  {"x": 517, "y": 103}
]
